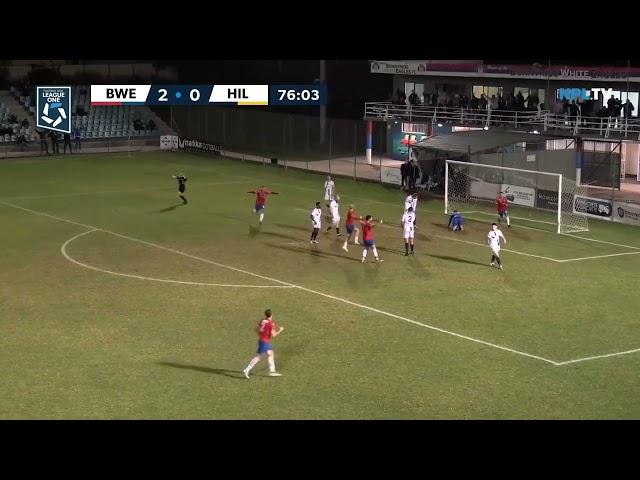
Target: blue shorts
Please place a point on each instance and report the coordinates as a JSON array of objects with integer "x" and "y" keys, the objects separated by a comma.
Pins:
[
  {"x": 259, "y": 207},
  {"x": 503, "y": 214},
  {"x": 350, "y": 229},
  {"x": 457, "y": 224},
  {"x": 263, "y": 347},
  {"x": 368, "y": 243}
]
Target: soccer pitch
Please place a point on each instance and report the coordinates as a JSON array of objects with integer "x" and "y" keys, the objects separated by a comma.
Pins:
[{"x": 119, "y": 302}]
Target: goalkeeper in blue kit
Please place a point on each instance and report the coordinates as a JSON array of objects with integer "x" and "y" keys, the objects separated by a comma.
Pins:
[{"x": 456, "y": 221}]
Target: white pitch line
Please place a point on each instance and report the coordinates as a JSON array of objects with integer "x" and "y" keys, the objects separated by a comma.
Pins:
[
  {"x": 366, "y": 307},
  {"x": 599, "y": 256},
  {"x": 504, "y": 249},
  {"x": 616, "y": 354},
  {"x": 600, "y": 241},
  {"x": 106, "y": 192},
  {"x": 63, "y": 250}
]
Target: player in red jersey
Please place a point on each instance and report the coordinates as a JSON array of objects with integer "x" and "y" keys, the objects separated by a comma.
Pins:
[
  {"x": 266, "y": 331},
  {"x": 261, "y": 200},
  {"x": 351, "y": 228},
  {"x": 503, "y": 205},
  {"x": 367, "y": 238}
]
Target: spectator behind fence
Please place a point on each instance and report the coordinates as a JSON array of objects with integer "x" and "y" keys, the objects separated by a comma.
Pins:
[
  {"x": 43, "y": 141},
  {"x": 55, "y": 147},
  {"x": 67, "y": 142},
  {"x": 414, "y": 174},
  {"x": 413, "y": 98},
  {"x": 628, "y": 109},
  {"x": 77, "y": 136},
  {"x": 404, "y": 173}
]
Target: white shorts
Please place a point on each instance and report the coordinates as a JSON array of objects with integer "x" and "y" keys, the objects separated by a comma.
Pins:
[
  {"x": 327, "y": 197},
  {"x": 408, "y": 233},
  {"x": 335, "y": 221},
  {"x": 496, "y": 251},
  {"x": 316, "y": 225}
]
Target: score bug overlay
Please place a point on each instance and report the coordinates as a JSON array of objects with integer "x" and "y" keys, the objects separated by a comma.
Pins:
[{"x": 208, "y": 94}]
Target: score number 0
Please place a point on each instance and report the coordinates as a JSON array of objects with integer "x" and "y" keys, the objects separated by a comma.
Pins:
[{"x": 194, "y": 95}]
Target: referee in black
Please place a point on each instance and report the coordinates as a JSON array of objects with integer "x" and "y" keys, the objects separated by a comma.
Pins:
[{"x": 182, "y": 179}]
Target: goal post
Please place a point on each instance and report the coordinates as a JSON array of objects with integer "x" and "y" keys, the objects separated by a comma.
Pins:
[{"x": 537, "y": 197}]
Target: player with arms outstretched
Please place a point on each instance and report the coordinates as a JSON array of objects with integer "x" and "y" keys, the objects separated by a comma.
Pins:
[
  {"x": 182, "y": 179},
  {"x": 503, "y": 208},
  {"x": 493, "y": 239},
  {"x": 261, "y": 200},
  {"x": 456, "y": 221},
  {"x": 407, "y": 222},
  {"x": 411, "y": 201},
  {"x": 351, "y": 228},
  {"x": 367, "y": 238},
  {"x": 266, "y": 331}
]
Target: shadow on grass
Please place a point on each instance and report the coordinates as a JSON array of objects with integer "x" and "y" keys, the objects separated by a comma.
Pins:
[
  {"x": 313, "y": 252},
  {"x": 168, "y": 209},
  {"x": 456, "y": 259},
  {"x": 216, "y": 371}
]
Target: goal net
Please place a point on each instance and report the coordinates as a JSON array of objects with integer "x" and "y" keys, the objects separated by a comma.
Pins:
[{"x": 543, "y": 199}]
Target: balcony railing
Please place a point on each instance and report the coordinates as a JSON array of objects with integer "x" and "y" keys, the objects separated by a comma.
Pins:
[{"x": 537, "y": 120}]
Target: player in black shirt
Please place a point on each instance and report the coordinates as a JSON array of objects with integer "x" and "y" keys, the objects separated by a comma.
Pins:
[{"x": 181, "y": 187}]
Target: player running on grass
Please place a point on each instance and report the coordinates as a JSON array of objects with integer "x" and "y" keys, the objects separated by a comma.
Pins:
[
  {"x": 367, "y": 238},
  {"x": 493, "y": 239},
  {"x": 334, "y": 207},
  {"x": 407, "y": 222},
  {"x": 351, "y": 228},
  {"x": 261, "y": 200},
  {"x": 182, "y": 179},
  {"x": 503, "y": 205},
  {"x": 266, "y": 331}
]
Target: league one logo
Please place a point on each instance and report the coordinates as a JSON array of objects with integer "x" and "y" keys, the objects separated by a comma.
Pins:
[{"x": 53, "y": 108}]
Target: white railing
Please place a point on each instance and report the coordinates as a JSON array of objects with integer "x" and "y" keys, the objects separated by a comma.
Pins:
[{"x": 530, "y": 120}]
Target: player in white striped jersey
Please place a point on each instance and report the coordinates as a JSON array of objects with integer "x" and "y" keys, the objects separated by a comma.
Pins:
[
  {"x": 493, "y": 239},
  {"x": 334, "y": 207},
  {"x": 316, "y": 219},
  {"x": 411, "y": 201},
  {"x": 408, "y": 220}
]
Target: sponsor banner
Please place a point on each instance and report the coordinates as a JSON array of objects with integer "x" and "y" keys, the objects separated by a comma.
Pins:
[
  {"x": 476, "y": 69},
  {"x": 166, "y": 142},
  {"x": 53, "y": 108},
  {"x": 548, "y": 199},
  {"x": 626, "y": 213},
  {"x": 520, "y": 195},
  {"x": 593, "y": 207},
  {"x": 391, "y": 175},
  {"x": 193, "y": 145},
  {"x": 484, "y": 190}
]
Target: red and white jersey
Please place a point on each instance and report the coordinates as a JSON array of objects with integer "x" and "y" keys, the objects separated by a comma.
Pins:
[
  {"x": 266, "y": 327},
  {"x": 261, "y": 196},
  {"x": 367, "y": 231},
  {"x": 351, "y": 216},
  {"x": 502, "y": 204}
]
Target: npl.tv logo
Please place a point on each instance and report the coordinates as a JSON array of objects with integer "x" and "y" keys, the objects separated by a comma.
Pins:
[{"x": 54, "y": 108}]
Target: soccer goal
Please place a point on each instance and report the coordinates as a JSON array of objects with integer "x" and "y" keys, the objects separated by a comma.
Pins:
[{"x": 540, "y": 197}]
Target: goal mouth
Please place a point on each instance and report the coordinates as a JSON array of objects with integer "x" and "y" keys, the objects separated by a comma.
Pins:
[{"x": 545, "y": 199}]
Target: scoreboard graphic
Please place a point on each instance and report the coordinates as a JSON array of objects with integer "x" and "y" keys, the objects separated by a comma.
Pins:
[{"x": 182, "y": 95}]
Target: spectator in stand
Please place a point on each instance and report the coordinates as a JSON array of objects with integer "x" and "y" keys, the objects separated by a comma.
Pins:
[
  {"x": 413, "y": 98},
  {"x": 464, "y": 101},
  {"x": 493, "y": 103},
  {"x": 474, "y": 102},
  {"x": 151, "y": 125},
  {"x": 426, "y": 99},
  {"x": 573, "y": 111},
  {"x": 482, "y": 103},
  {"x": 519, "y": 104},
  {"x": 55, "y": 147},
  {"x": 565, "y": 106},
  {"x": 77, "y": 136},
  {"x": 434, "y": 99},
  {"x": 611, "y": 105},
  {"x": 25, "y": 123},
  {"x": 43, "y": 141},
  {"x": 628, "y": 108},
  {"x": 414, "y": 174},
  {"x": 67, "y": 142},
  {"x": 501, "y": 102},
  {"x": 404, "y": 174}
]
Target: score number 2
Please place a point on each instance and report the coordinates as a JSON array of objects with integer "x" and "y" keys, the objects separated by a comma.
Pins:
[{"x": 194, "y": 95}]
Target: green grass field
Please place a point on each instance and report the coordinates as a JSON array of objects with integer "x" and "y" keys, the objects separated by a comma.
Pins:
[{"x": 96, "y": 324}]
